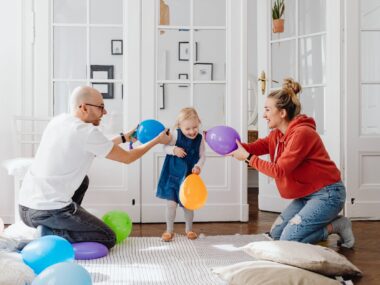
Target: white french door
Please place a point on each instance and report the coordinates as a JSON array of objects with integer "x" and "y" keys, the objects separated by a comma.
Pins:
[
  {"x": 362, "y": 109},
  {"x": 309, "y": 51},
  {"x": 188, "y": 61},
  {"x": 79, "y": 43}
]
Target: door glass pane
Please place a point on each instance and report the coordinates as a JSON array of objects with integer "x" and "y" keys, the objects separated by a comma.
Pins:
[
  {"x": 173, "y": 12},
  {"x": 171, "y": 98},
  {"x": 312, "y": 16},
  {"x": 370, "y": 106},
  {"x": 369, "y": 56},
  {"x": 112, "y": 122},
  {"x": 210, "y": 55},
  {"x": 370, "y": 14},
  {"x": 70, "y": 11},
  {"x": 173, "y": 54},
  {"x": 283, "y": 61},
  {"x": 62, "y": 92},
  {"x": 312, "y": 102},
  {"x": 290, "y": 21},
  {"x": 69, "y": 52},
  {"x": 312, "y": 55},
  {"x": 106, "y": 12},
  {"x": 101, "y": 52},
  {"x": 205, "y": 12},
  {"x": 209, "y": 101}
]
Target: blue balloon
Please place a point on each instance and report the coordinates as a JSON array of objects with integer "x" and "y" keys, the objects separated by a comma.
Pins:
[
  {"x": 45, "y": 251},
  {"x": 62, "y": 274},
  {"x": 148, "y": 130}
]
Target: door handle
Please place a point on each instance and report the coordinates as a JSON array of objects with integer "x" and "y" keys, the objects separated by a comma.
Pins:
[{"x": 263, "y": 81}]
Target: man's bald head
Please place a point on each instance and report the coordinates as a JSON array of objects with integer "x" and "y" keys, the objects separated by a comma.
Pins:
[{"x": 83, "y": 94}]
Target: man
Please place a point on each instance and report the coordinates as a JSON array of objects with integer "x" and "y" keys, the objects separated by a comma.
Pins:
[{"x": 54, "y": 186}]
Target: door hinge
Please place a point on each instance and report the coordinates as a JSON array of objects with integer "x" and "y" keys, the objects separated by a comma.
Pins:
[{"x": 352, "y": 201}]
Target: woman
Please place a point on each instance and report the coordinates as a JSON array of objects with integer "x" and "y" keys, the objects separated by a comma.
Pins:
[{"x": 302, "y": 169}]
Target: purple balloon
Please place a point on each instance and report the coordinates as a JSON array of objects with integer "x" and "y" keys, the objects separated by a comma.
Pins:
[
  {"x": 89, "y": 250},
  {"x": 222, "y": 139}
]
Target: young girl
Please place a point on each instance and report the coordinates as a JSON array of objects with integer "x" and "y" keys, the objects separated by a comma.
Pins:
[{"x": 185, "y": 155}]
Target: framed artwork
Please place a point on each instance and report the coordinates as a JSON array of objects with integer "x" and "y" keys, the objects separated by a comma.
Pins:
[
  {"x": 184, "y": 51},
  {"x": 100, "y": 72},
  {"x": 183, "y": 76},
  {"x": 116, "y": 47},
  {"x": 106, "y": 89},
  {"x": 203, "y": 71}
]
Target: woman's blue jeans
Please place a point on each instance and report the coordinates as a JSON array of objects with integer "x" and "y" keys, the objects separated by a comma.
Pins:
[
  {"x": 306, "y": 219},
  {"x": 72, "y": 222}
]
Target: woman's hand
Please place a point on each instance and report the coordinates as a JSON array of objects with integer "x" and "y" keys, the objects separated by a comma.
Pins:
[
  {"x": 196, "y": 170},
  {"x": 179, "y": 152},
  {"x": 240, "y": 153}
]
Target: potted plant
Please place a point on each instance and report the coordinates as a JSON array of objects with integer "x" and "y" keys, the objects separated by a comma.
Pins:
[{"x": 277, "y": 12}]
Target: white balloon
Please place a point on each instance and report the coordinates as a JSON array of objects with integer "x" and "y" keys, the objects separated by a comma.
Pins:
[{"x": 1, "y": 226}]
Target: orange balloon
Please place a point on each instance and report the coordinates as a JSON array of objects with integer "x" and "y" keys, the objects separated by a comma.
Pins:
[{"x": 193, "y": 192}]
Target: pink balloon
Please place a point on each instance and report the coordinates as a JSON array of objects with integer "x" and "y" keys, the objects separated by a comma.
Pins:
[{"x": 222, "y": 139}]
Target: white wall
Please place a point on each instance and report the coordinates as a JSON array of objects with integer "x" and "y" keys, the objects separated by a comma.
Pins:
[{"x": 10, "y": 79}]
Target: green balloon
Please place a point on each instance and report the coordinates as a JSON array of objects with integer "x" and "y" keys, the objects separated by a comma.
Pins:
[{"x": 120, "y": 223}]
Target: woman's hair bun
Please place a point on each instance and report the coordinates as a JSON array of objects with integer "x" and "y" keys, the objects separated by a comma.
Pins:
[{"x": 289, "y": 83}]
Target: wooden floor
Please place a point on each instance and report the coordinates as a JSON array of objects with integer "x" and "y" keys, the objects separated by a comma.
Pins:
[{"x": 366, "y": 254}]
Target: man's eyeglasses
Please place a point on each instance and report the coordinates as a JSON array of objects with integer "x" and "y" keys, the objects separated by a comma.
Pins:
[{"x": 101, "y": 107}]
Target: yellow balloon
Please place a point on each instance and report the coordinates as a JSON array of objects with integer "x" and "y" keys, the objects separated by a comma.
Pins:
[{"x": 193, "y": 192}]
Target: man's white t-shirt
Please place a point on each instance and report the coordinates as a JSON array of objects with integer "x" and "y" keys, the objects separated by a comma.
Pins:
[{"x": 67, "y": 149}]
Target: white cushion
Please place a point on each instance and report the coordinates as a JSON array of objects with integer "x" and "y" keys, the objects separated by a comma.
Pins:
[
  {"x": 13, "y": 270},
  {"x": 307, "y": 256},
  {"x": 260, "y": 272}
]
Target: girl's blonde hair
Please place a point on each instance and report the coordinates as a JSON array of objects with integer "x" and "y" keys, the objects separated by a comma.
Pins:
[
  {"x": 287, "y": 99},
  {"x": 187, "y": 114}
]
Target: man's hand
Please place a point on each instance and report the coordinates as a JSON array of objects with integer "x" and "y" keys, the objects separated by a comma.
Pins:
[
  {"x": 196, "y": 170},
  {"x": 131, "y": 135},
  {"x": 240, "y": 153},
  {"x": 164, "y": 137},
  {"x": 179, "y": 152}
]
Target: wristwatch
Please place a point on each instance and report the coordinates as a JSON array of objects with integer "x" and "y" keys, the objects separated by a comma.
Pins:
[
  {"x": 248, "y": 158},
  {"x": 123, "y": 139}
]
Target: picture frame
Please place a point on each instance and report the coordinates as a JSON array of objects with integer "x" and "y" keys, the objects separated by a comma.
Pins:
[
  {"x": 184, "y": 51},
  {"x": 106, "y": 89},
  {"x": 183, "y": 76},
  {"x": 203, "y": 71},
  {"x": 116, "y": 47},
  {"x": 101, "y": 72}
]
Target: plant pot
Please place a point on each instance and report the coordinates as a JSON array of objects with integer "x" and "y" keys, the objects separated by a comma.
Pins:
[{"x": 278, "y": 26}]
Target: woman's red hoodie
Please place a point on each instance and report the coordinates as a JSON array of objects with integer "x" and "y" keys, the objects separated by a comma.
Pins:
[{"x": 301, "y": 165}]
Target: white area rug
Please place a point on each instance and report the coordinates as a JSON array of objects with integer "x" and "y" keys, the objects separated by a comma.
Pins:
[{"x": 148, "y": 260}]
